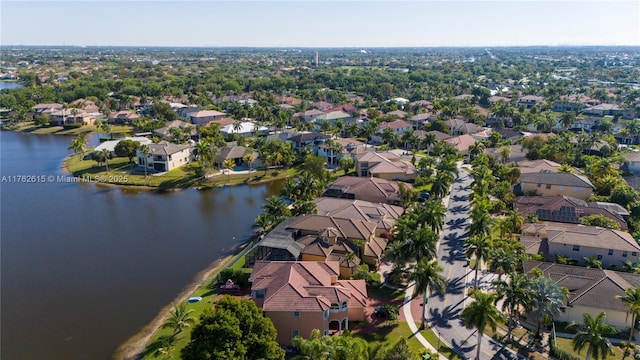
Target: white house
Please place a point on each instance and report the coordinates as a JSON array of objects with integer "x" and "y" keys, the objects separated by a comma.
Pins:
[
  {"x": 111, "y": 144},
  {"x": 165, "y": 156},
  {"x": 245, "y": 128}
]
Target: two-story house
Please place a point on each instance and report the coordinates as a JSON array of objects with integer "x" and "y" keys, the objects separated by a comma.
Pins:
[
  {"x": 301, "y": 296},
  {"x": 202, "y": 116},
  {"x": 165, "y": 156},
  {"x": 385, "y": 165},
  {"x": 530, "y": 101},
  {"x": 398, "y": 127},
  {"x": 550, "y": 184},
  {"x": 371, "y": 189}
]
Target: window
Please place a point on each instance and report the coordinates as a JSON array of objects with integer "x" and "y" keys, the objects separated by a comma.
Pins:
[
  {"x": 634, "y": 254},
  {"x": 610, "y": 252},
  {"x": 548, "y": 186},
  {"x": 624, "y": 253},
  {"x": 576, "y": 247},
  {"x": 599, "y": 257},
  {"x": 539, "y": 185},
  {"x": 325, "y": 332},
  {"x": 296, "y": 314},
  {"x": 259, "y": 294},
  {"x": 561, "y": 188},
  {"x": 325, "y": 316},
  {"x": 295, "y": 333}
]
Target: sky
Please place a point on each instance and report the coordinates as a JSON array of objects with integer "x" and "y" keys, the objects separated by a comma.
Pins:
[{"x": 303, "y": 23}]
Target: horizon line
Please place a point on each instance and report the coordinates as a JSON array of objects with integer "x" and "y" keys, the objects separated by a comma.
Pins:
[{"x": 320, "y": 47}]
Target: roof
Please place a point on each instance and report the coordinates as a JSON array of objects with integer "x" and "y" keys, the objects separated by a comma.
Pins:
[
  {"x": 462, "y": 142},
  {"x": 302, "y": 137},
  {"x": 47, "y": 106},
  {"x": 348, "y": 228},
  {"x": 576, "y": 234},
  {"x": 165, "y": 130},
  {"x": 386, "y": 163},
  {"x": 205, "y": 113},
  {"x": 333, "y": 115},
  {"x": 398, "y": 113},
  {"x": 245, "y": 127},
  {"x": 560, "y": 178},
  {"x": 305, "y": 286},
  {"x": 396, "y": 124},
  {"x": 234, "y": 152},
  {"x": 632, "y": 156},
  {"x": 589, "y": 287},
  {"x": 111, "y": 144},
  {"x": 366, "y": 188},
  {"x": 563, "y": 209},
  {"x": 535, "y": 166},
  {"x": 282, "y": 238},
  {"x": 384, "y": 215},
  {"x": 166, "y": 148}
]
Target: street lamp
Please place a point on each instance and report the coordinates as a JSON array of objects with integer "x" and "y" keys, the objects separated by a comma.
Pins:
[{"x": 438, "y": 349}]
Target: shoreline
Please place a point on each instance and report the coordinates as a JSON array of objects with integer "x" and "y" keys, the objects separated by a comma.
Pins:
[{"x": 135, "y": 345}]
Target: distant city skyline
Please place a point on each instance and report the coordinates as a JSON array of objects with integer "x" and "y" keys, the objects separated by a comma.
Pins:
[{"x": 303, "y": 23}]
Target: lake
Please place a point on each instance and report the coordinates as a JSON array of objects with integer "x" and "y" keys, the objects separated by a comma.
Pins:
[
  {"x": 9, "y": 85},
  {"x": 85, "y": 266}
]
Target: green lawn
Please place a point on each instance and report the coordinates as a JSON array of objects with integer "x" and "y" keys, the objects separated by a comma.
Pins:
[
  {"x": 567, "y": 345},
  {"x": 388, "y": 335},
  {"x": 385, "y": 292},
  {"x": 442, "y": 348}
]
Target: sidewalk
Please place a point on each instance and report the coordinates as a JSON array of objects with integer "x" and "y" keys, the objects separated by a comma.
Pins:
[{"x": 406, "y": 310}]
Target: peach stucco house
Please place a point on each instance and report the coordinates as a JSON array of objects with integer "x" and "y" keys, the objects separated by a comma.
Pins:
[
  {"x": 299, "y": 296},
  {"x": 551, "y": 184}
]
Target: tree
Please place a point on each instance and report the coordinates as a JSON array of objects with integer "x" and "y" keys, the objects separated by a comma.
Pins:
[
  {"x": 145, "y": 150},
  {"x": 482, "y": 313},
  {"x": 228, "y": 164},
  {"x": 592, "y": 333},
  {"x": 78, "y": 144},
  {"x": 346, "y": 163},
  {"x": 631, "y": 299},
  {"x": 127, "y": 148},
  {"x": 106, "y": 154},
  {"x": 478, "y": 246},
  {"x": 314, "y": 348},
  {"x": 546, "y": 300},
  {"x": 179, "y": 319},
  {"x": 516, "y": 294},
  {"x": 105, "y": 128},
  {"x": 599, "y": 220},
  {"x": 234, "y": 329},
  {"x": 426, "y": 275},
  {"x": 276, "y": 210}
]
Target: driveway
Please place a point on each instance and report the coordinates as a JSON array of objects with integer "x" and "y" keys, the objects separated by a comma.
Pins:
[{"x": 444, "y": 311}]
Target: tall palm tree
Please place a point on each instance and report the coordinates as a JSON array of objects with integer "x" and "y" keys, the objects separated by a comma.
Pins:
[
  {"x": 179, "y": 319},
  {"x": 228, "y": 164},
  {"x": 546, "y": 301},
  {"x": 432, "y": 214},
  {"x": 422, "y": 244},
  {"x": 426, "y": 275},
  {"x": 249, "y": 158},
  {"x": 503, "y": 260},
  {"x": 631, "y": 299},
  {"x": 592, "y": 333},
  {"x": 480, "y": 219},
  {"x": 516, "y": 294},
  {"x": 106, "y": 153},
  {"x": 516, "y": 220},
  {"x": 482, "y": 313},
  {"x": 314, "y": 348},
  {"x": 145, "y": 150},
  {"x": 478, "y": 246},
  {"x": 78, "y": 144}
]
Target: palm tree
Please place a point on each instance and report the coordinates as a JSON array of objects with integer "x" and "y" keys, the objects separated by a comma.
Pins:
[
  {"x": 228, "y": 164},
  {"x": 516, "y": 220},
  {"x": 313, "y": 348},
  {"x": 275, "y": 209},
  {"x": 249, "y": 158},
  {"x": 482, "y": 313},
  {"x": 516, "y": 294},
  {"x": 422, "y": 244},
  {"x": 179, "y": 319},
  {"x": 592, "y": 333},
  {"x": 546, "y": 300},
  {"x": 480, "y": 218},
  {"x": 631, "y": 299},
  {"x": 426, "y": 275},
  {"x": 503, "y": 260},
  {"x": 106, "y": 153},
  {"x": 432, "y": 214},
  {"x": 478, "y": 246},
  {"x": 145, "y": 150},
  {"x": 237, "y": 126},
  {"x": 78, "y": 144}
]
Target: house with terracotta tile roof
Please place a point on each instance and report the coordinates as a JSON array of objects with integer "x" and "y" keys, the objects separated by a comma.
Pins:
[
  {"x": 370, "y": 189},
  {"x": 459, "y": 126},
  {"x": 384, "y": 215},
  {"x": 566, "y": 209},
  {"x": 322, "y": 238},
  {"x": 591, "y": 291},
  {"x": 399, "y": 127},
  {"x": 536, "y": 166},
  {"x": 289, "y": 100},
  {"x": 462, "y": 142},
  {"x": 203, "y": 116},
  {"x": 399, "y": 114},
  {"x": 419, "y": 120},
  {"x": 322, "y": 105},
  {"x": 575, "y": 241},
  {"x": 301, "y": 296},
  {"x": 46, "y": 109},
  {"x": 71, "y": 116},
  {"x": 123, "y": 117},
  {"x": 384, "y": 165},
  {"x": 348, "y": 147}
]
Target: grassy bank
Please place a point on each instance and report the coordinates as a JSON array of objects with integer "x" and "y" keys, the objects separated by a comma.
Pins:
[
  {"x": 31, "y": 127},
  {"x": 183, "y": 177}
]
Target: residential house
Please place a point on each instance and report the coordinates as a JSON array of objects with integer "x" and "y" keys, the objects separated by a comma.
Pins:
[
  {"x": 370, "y": 189},
  {"x": 124, "y": 117},
  {"x": 347, "y": 108},
  {"x": 566, "y": 209},
  {"x": 496, "y": 99},
  {"x": 307, "y": 139},
  {"x": 165, "y": 131},
  {"x": 384, "y": 215},
  {"x": 463, "y": 97},
  {"x": 302, "y": 296},
  {"x": 574, "y": 102},
  {"x": 459, "y": 126},
  {"x": 245, "y": 128},
  {"x": 575, "y": 241},
  {"x": 221, "y": 122},
  {"x": 530, "y": 101},
  {"x": 165, "y": 156},
  {"x": 322, "y": 105},
  {"x": 202, "y": 116},
  {"x": 516, "y": 153},
  {"x": 591, "y": 291},
  {"x": 385, "y": 165},
  {"x": 70, "y": 117},
  {"x": 111, "y": 144},
  {"x": 588, "y": 124},
  {"x": 398, "y": 114},
  {"x": 86, "y": 105},
  {"x": 398, "y": 127},
  {"x": 237, "y": 154},
  {"x": 419, "y": 120},
  {"x": 289, "y": 100},
  {"x": 346, "y": 148},
  {"x": 309, "y": 115},
  {"x": 536, "y": 166},
  {"x": 461, "y": 143},
  {"x": 46, "y": 109},
  {"x": 603, "y": 109},
  {"x": 632, "y": 164},
  {"x": 509, "y": 134},
  {"x": 550, "y": 184},
  {"x": 322, "y": 238},
  {"x": 332, "y": 117}
]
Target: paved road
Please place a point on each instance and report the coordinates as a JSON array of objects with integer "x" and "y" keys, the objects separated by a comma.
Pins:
[{"x": 444, "y": 312}]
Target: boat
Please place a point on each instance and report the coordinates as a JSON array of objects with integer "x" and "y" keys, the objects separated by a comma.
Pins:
[{"x": 194, "y": 299}]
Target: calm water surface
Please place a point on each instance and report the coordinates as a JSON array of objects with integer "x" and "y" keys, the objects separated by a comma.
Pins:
[{"x": 83, "y": 267}]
